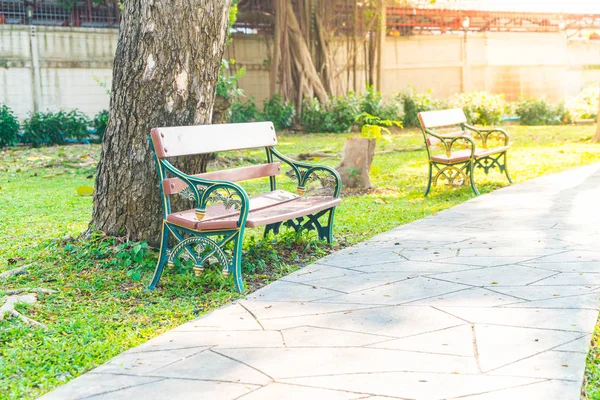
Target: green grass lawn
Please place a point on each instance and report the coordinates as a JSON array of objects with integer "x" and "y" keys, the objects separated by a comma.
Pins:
[{"x": 99, "y": 311}]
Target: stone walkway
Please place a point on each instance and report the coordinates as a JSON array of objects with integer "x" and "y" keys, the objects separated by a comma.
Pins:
[{"x": 493, "y": 299}]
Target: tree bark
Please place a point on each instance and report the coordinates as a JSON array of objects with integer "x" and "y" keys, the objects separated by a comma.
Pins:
[
  {"x": 165, "y": 73},
  {"x": 356, "y": 162},
  {"x": 596, "y": 138}
]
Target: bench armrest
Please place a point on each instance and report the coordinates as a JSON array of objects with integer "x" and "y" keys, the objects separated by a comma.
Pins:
[
  {"x": 489, "y": 133},
  {"x": 306, "y": 173},
  {"x": 452, "y": 142},
  {"x": 207, "y": 191}
]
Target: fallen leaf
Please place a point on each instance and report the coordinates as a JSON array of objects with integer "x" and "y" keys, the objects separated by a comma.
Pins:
[{"x": 85, "y": 191}]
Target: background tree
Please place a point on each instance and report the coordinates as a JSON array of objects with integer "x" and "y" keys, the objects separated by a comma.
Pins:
[{"x": 165, "y": 73}]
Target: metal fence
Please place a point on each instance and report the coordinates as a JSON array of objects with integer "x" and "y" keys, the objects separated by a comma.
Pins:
[{"x": 84, "y": 13}]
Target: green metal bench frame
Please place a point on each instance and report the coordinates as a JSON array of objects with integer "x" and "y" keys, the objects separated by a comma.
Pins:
[
  {"x": 462, "y": 165},
  {"x": 169, "y": 142}
]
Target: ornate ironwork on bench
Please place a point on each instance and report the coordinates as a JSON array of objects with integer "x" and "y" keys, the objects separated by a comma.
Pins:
[
  {"x": 212, "y": 231},
  {"x": 453, "y": 156}
]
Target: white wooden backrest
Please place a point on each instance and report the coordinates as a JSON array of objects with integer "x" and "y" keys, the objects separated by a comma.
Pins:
[
  {"x": 435, "y": 119},
  {"x": 200, "y": 139}
]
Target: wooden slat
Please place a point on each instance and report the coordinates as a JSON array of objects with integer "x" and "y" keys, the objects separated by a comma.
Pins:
[
  {"x": 186, "y": 140},
  {"x": 434, "y": 119},
  {"x": 176, "y": 185}
]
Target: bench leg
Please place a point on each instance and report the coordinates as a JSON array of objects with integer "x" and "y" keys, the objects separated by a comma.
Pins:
[
  {"x": 506, "y": 169},
  {"x": 430, "y": 178},
  {"x": 272, "y": 228},
  {"x": 236, "y": 262},
  {"x": 472, "y": 178},
  {"x": 162, "y": 257}
]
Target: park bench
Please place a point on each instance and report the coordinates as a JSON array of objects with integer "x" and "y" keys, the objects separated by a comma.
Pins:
[
  {"x": 455, "y": 148},
  {"x": 212, "y": 231}
]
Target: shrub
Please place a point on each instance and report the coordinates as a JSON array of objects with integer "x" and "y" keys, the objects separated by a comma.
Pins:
[
  {"x": 481, "y": 108},
  {"x": 279, "y": 112},
  {"x": 372, "y": 103},
  {"x": 337, "y": 115},
  {"x": 414, "y": 102},
  {"x": 55, "y": 128},
  {"x": 100, "y": 123},
  {"x": 585, "y": 104},
  {"x": 227, "y": 84},
  {"x": 243, "y": 111},
  {"x": 539, "y": 112},
  {"x": 9, "y": 127}
]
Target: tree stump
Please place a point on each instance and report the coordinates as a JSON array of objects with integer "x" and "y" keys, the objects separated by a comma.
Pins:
[{"x": 356, "y": 162}]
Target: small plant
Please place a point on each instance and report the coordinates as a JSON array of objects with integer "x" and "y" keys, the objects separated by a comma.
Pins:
[
  {"x": 372, "y": 126},
  {"x": 74, "y": 124},
  {"x": 279, "y": 112},
  {"x": 42, "y": 129},
  {"x": 413, "y": 103},
  {"x": 585, "y": 104},
  {"x": 9, "y": 127},
  {"x": 539, "y": 112},
  {"x": 481, "y": 108},
  {"x": 244, "y": 111},
  {"x": 372, "y": 103},
  {"x": 132, "y": 256},
  {"x": 337, "y": 115},
  {"x": 100, "y": 123},
  {"x": 227, "y": 84}
]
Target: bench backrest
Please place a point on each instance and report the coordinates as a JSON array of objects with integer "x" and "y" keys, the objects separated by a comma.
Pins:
[
  {"x": 436, "y": 119},
  {"x": 202, "y": 139}
]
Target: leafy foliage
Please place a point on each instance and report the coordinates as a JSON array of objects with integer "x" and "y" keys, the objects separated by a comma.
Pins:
[
  {"x": 481, "y": 108},
  {"x": 55, "y": 128},
  {"x": 585, "y": 104},
  {"x": 9, "y": 127},
  {"x": 244, "y": 111},
  {"x": 372, "y": 126},
  {"x": 279, "y": 112},
  {"x": 414, "y": 102},
  {"x": 227, "y": 84},
  {"x": 100, "y": 123},
  {"x": 539, "y": 112},
  {"x": 372, "y": 103},
  {"x": 337, "y": 115}
]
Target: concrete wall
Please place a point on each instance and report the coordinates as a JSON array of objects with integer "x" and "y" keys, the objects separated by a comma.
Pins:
[
  {"x": 52, "y": 68},
  {"x": 58, "y": 68}
]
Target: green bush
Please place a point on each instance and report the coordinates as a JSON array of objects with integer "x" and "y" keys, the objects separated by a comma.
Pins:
[
  {"x": 279, "y": 112},
  {"x": 227, "y": 84},
  {"x": 337, "y": 115},
  {"x": 244, "y": 111},
  {"x": 481, "y": 108},
  {"x": 585, "y": 104},
  {"x": 55, "y": 128},
  {"x": 100, "y": 123},
  {"x": 9, "y": 127},
  {"x": 413, "y": 103},
  {"x": 539, "y": 112},
  {"x": 372, "y": 103}
]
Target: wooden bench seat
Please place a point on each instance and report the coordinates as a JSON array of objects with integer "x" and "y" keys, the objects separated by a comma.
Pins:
[
  {"x": 454, "y": 156},
  {"x": 213, "y": 231},
  {"x": 265, "y": 209}
]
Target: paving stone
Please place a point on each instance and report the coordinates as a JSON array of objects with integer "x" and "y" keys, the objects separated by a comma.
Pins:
[
  {"x": 411, "y": 385},
  {"x": 399, "y": 292},
  {"x": 393, "y": 322},
  {"x": 361, "y": 257},
  {"x": 145, "y": 363},
  {"x": 496, "y": 276},
  {"x": 485, "y": 261},
  {"x": 573, "y": 256},
  {"x": 548, "y": 365},
  {"x": 533, "y": 292},
  {"x": 572, "y": 278},
  {"x": 232, "y": 317},
  {"x": 310, "y": 336},
  {"x": 265, "y": 310},
  {"x": 589, "y": 301},
  {"x": 415, "y": 268},
  {"x": 288, "y": 291},
  {"x": 543, "y": 390},
  {"x": 580, "y": 345},
  {"x": 210, "y": 365},
  {"x": 456, "y": 341},
  {"x": 302, "y": 362},
  {"x": 579, "y": 320},
  {"x": 352, "y": 283},
  {"x": 93, "y": 384},
  {"x": 589, "y": 266},
  {"x": 469, "y": 297},
  {"x": 501, "y": 345},
  {"x": 318, "y": 271},
  {"x": 294, "y": 392},
  {"x": 186, "y": 390}
]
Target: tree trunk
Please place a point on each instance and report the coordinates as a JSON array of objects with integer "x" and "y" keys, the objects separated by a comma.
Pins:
[
  {"x": 356, "y": 163},
  {"x": 596, "y": 138},
  {"x": 165, "y": 73}
]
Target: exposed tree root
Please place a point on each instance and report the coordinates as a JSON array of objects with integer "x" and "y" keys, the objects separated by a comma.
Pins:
[{"x": 14, "y": 272}]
